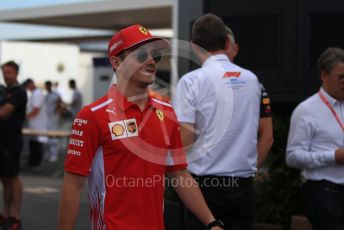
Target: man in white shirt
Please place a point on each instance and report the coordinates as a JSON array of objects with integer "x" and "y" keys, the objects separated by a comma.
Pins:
[
  {"x": 37, "y": 120},
  {"x": 217, "y": 106},
  {"x": 316, "y": 144},
  {"x": 53, "y": 105}
]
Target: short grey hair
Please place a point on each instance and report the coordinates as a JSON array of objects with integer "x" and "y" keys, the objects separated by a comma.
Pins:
[
  {"x": 231, "y": 35},
  {"x": 329, "y": 58}
]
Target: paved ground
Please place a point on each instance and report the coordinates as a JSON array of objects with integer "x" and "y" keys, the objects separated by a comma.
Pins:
[{"x": 41, "y": 197}]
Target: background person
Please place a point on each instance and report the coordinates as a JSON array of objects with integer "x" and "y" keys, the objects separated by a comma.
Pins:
[
  {"x": 12, "y": 116},
  {"x": 52, "y": 104},
  {"x": 316, "y": 144},
  {"x": 37, "y": 120},
  {"x": 76, "y": 103},
  {"x": 217, "y": 106}
]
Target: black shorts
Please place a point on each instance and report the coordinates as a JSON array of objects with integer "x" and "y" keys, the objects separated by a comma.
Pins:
[{"x": 10, "y": 158}]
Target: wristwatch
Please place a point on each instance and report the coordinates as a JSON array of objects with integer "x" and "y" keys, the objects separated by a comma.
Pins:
[{"x": 214, "y": 223}]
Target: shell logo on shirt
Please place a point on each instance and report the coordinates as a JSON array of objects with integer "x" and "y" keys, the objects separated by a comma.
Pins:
[
  {"x": 123, "y": 129},
  {"x": 118, "y": 130}
]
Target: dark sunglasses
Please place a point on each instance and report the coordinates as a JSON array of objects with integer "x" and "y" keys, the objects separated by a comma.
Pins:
[{"x": 142, "y": 55}]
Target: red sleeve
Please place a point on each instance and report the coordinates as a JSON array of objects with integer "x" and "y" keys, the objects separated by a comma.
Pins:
[
  {"x": 177, "y": 157},
  {"x": 83, "y": 143}
]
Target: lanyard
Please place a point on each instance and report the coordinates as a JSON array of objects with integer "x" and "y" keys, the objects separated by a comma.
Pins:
[{"x": 324, "y": 99}]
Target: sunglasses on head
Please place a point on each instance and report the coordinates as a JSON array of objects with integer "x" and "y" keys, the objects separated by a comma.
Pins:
[{"x": 142, "y": 55}]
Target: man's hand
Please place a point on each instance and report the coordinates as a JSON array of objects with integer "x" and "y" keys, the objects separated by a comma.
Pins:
[
  {"x": 189, "y": 192},
  {"x": 6, "y": 111},
  {"x": 339, "y": 156}
]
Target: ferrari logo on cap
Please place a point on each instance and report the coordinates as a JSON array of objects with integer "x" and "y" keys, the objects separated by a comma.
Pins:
[
  {"x": 143, "y": 30},
  {"x": 160, "y": 114}
]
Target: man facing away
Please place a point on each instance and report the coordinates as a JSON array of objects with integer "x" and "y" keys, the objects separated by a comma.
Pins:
[
  {"x": 124, "y": 143},
  {"x": 76, "y": 103},
  {"x": 52, "y": 104},
  {"x": 37, "y": 120},
  {"x": 218, "y": 108},
  {"x": 12, "y": 116},
  {"x": 316, "y": 144}
]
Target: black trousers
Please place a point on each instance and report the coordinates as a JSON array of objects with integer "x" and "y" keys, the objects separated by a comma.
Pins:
[
  {"x": 36, "y": 153},
  {"x": 10, "y": 151},
  {"x": 324, "y": 203},
  {"x": 231, "y": 199}
]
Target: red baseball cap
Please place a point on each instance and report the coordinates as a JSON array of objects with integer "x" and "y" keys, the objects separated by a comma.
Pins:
[{"x": 131, "y": 36}]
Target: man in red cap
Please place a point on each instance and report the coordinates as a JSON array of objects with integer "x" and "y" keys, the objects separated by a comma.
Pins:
[{"x": 125, "y": 143}]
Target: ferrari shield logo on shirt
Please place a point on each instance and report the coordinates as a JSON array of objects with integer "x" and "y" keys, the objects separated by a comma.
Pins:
[
  {"x": 160, "y": 114},
  {"x": 123, "y": 129}
]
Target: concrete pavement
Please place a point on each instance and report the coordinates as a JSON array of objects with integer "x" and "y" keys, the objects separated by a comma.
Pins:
[{"x": 41, "y": 197}]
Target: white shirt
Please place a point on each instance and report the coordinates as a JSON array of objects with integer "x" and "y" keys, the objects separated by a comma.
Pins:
[
  {"x": 222, "y": 100},
  {"x": 76, "y": 102},
  {"x": 314, "y": 136},
  {"x": 51, "y": 100},
  {"x": 39, "y": 121}
]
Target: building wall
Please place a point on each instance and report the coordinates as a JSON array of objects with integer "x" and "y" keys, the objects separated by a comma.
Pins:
[{"x": 55, "y": 62}]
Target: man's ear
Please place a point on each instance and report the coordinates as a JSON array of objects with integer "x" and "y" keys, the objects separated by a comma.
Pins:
[
  {"x": 115, "y": 62},
  {"x": 323, "y": 75},
  {"x": 228, "y": 43},
  {"x": 194, "y": 47}
]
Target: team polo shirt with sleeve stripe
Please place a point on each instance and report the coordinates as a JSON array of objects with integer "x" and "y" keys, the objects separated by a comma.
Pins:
[{"x": 125, "y": 152}]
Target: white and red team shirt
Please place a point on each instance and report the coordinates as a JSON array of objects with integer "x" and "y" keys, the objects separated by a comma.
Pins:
[{"x": 125, "y": 152}]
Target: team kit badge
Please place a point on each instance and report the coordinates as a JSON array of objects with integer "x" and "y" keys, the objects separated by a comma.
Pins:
[
  {"x": 143, "y": 30},
  {"x": 160, "y": 114},
  {"x": 118, "y": 130},
  {"x": 123, "y": 129}
]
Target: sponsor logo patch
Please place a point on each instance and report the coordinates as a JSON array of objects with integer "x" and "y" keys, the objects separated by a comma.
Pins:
[
  {"x": 118, "y": 130},
  {"x": 266, "y": 101},
  {"x": 80, "y": 122},
  {"x": 131, "y": 128},
  {"x": 123, "y": 129},
  {"x": 231, "y": 74},
  {"x": 77, "y": 132},
  {"x": 115, "y": 45},
  {"x": 112, "y": 110},
  {"x": 74, "y": 152},
  {"x": 76, "y": 142}
]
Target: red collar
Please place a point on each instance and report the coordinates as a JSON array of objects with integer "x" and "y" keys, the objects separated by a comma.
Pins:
[{"x": 122, "y": 101}]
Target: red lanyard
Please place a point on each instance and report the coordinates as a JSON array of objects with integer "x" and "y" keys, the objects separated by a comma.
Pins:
[{"x": 324, "y": 99}]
